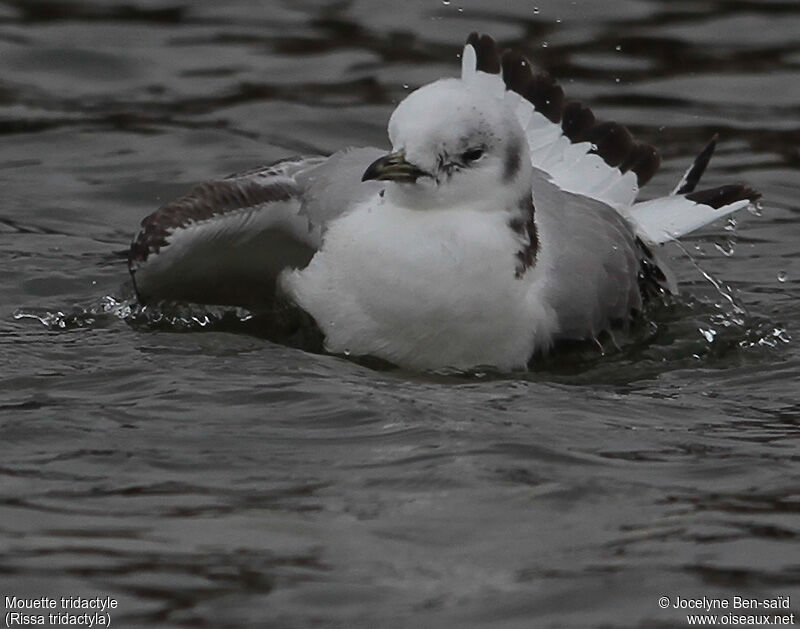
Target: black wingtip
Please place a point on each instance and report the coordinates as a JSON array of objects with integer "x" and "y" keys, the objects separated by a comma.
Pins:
[
  {"x": 643, "y": 160},
  {"x": 547, "y": 96},
  {"x": 516, "y": 71},
  {"x": 614, "y": 143},
  {"x": 693, "y": 175},
  {"x": 724, "y": 195},
  {"x": 539, "y": 89},
  {"x": 486, "y": 52},
  {"x": 577, "y": 122}
]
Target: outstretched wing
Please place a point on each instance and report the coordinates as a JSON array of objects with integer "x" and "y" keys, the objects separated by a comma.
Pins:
[
  {"x": 227, "y": 241},
  {"x": 600, "y": 160},
  {"x": 669, "y": 218},
  {"x": 685, "y": 210},
  {"x": 580, "y": 154}
]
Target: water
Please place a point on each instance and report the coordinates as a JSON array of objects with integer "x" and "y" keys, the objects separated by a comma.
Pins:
[{"x": 204, "y": 476}]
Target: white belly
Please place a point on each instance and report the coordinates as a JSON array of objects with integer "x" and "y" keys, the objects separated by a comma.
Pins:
[{"x": 424, "y": 289}]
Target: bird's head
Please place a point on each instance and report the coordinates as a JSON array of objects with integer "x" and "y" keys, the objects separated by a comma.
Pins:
[{"x": 453, "y": 146}]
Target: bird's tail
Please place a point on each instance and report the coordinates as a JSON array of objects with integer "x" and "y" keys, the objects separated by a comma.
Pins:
[{"x": 683, "y": 211}]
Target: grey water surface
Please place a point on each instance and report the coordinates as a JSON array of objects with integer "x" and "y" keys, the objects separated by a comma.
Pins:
[{"x": 206, "y": 477}]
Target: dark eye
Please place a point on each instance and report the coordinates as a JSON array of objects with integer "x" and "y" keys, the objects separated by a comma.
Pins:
[{"x": 472, "y": 155}]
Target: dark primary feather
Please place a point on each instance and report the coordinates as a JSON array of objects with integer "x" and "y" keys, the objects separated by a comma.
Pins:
[
  {"x": 724, "y": 195},
  {"x": 539, "y": 89},
  {"x": 644, "y": 160},
  {"x": 486, "y": 52},
  {"x": 692, "y": 176},
  {"x": 577, "y": 122},
  {"x": 614, "y": 142}
]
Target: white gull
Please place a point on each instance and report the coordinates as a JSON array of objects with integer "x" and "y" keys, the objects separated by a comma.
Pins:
[{"x": 502, "y": 221}]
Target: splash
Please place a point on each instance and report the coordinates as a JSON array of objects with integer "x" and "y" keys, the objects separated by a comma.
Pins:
[
  {"x": 283, "y": 323},
  {"x": 729, "y": 325},
  {"x": 110, "y": 310}
]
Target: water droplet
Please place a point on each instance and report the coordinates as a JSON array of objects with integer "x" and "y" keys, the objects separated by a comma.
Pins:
[
  {"x": 460, "y": 9},
  {"x": 405, "y": 86},
  {"x": 446, "y": 3},
  {"x": 708, "y": 334},
  {"x": 347, "y": 351},
  {"x": 782, "y": 276},
  {"x": 618, "y": 48},
  {"x": 558, "y": 20},
  {"x": 536, "y": 10},
  {"x": 755, "y": 208},
  {"x": 616, "y": 79},
  {"x": 544, "y": 44},
  {"x": 725, "y": 247},
  {"x": 730, "y": 226},
  {"x": 782, "y": 335}
]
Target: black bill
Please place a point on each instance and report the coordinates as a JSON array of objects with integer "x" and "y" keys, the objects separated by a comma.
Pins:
[{"x": 393, "y": 167}]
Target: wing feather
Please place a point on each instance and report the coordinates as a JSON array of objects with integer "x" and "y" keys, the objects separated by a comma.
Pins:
[
  {"x": 227, "y": 241},
  {"x": 594, "y": 257},
  {"x": 579, "y": 153},
  {"x": 669, "y": 218}
]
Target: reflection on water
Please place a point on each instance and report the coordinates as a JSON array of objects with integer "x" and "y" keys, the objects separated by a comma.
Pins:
[{"x": 179, "y": 460}]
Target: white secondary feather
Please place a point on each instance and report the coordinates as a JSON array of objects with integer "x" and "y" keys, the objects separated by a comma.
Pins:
[{"x": 669, "y": 218}]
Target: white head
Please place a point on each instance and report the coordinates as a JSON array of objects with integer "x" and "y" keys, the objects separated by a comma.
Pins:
[{"x": 454, "y": 146}]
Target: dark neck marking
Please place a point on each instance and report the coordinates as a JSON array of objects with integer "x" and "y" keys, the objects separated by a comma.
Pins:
[
  {"x": 524, "y": 226},
  {"x": 512, "y": 161}
]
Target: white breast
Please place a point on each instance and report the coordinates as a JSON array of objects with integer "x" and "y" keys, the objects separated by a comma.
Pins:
[{"x": 423, "y": 288}]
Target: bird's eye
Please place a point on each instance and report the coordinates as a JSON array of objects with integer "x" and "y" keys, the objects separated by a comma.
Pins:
[{"x": 472, "y": 155}]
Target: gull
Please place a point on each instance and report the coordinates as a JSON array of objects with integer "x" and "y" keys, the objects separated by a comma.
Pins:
[{"x": 503, "y": 220}]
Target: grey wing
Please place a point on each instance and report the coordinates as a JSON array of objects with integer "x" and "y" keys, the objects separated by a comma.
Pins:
[
  {"x": 597, "y": 264},
  {"x": 227, "y": 241}
]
